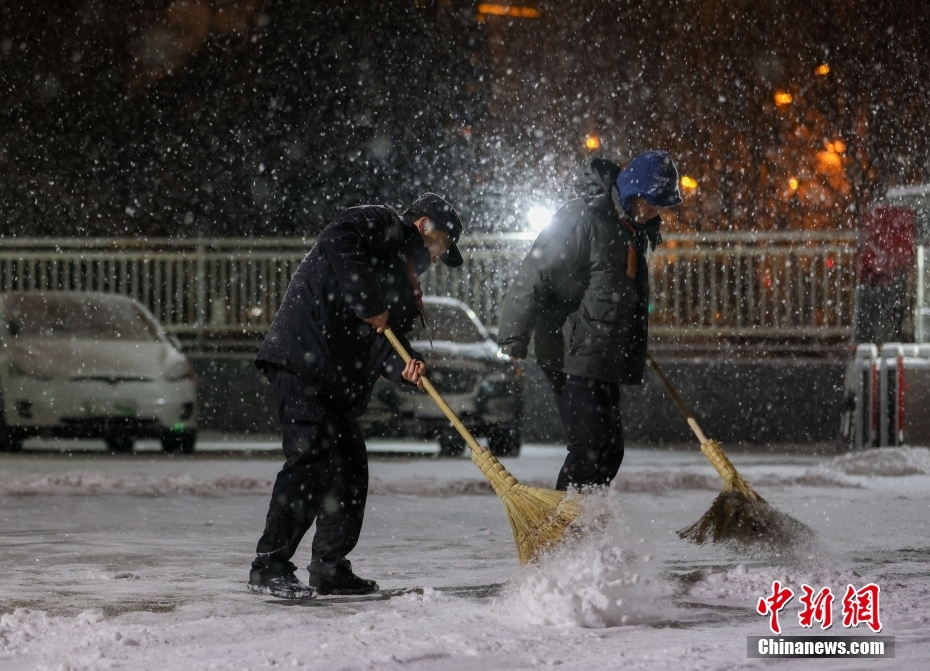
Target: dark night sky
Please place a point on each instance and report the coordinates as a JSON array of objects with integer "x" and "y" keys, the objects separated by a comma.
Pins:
[{"x": 262, "y": 117}]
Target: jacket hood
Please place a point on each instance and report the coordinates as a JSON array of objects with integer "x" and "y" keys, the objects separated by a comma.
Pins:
[{"x": 594, "y": 179}]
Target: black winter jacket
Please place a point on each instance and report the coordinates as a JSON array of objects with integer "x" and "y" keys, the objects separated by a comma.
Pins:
[
  {"x": 356, "y": 270},
  {"x": 573, "y": 308}
]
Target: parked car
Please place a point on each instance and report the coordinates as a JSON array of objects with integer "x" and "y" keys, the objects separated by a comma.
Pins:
[
  {"x": 478, "y": 381},
  {"x": 85, "y": 365}
]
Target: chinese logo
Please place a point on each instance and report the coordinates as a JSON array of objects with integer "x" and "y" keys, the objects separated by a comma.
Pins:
[{"x": 859, "y": 606}]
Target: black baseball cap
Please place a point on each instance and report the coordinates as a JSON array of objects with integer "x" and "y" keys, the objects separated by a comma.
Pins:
[{"x": 436, "y": 208}]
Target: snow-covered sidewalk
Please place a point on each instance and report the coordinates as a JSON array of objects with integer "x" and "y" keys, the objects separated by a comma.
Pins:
[{"x": 141, "y": 563}]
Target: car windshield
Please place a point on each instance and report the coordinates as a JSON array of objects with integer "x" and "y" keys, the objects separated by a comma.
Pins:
[
  {"x": 68, "y": 316},
  {"x": 447, "y": 322}
]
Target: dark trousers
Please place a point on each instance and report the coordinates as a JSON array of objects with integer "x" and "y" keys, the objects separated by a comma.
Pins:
[
  {"x": 590, "y": 413},
  {"x": 324, "y": 479}
]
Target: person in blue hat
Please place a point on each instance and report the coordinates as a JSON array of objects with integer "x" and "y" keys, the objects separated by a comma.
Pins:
[{"x": 579, "y": 305}]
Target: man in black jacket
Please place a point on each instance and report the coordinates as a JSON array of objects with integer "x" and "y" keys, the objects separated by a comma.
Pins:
[
  {"x": 579, "y": 306},
  {"x": 323, "y": 355}
]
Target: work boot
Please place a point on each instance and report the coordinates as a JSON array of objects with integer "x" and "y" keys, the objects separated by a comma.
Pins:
[
  {"x": 281, "y": 585},
  {"x": 338, "y": 578}
]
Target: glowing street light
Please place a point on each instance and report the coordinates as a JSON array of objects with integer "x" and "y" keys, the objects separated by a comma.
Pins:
[
  {"x": 688, "y": 182},
  {"x": 793, "y": 183},
  {"x": 592, "y": 142},
  {"x": 822, "y": 69},
  {"x": 783, "y": 98},
  {"x": 538, "y": 218},
  {"x": 508, "y": 10}
]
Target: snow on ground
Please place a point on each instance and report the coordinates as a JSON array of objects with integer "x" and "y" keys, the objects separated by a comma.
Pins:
[{"x": 140, "y": 562}]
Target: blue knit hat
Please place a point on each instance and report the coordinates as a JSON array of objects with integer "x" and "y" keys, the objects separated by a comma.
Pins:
[{"x": 651, "y": 176}]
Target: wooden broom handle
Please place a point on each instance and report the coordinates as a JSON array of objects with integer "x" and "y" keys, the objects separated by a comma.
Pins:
[
  {"x": 473, "y": 444},
  {"x": 685, "y": 410}
]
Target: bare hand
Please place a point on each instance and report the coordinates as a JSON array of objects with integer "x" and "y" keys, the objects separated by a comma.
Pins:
[
  {"x": 514, "y": 358},
  {"x": 412, "y": 372},
  {"x": 378, "y": 322}
]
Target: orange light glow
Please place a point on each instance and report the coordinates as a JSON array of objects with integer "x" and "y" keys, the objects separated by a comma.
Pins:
[
  {"x": 793, "y": 183},
  {"x": 592, "y": 142},
  {"x": 822, "y": 69},
  {"x": 839, "y": 146},
  {"x": 688, "y": 182},
  {"x": 829, "y": 160},
  {"x": 783, "y": 98},
  {"x": 507, "y": 10}
]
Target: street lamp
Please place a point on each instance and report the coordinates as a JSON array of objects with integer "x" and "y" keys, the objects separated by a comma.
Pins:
[{"x": 538, "y": 218}]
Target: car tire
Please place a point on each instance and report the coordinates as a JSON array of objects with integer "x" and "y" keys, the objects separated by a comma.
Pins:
[
  {"x": 450, "y": 444},
  {"x": 179, "y": 442},
  {"x": 505, "y": 442},
  {"x": 10, "y": 440},
  {"x": 120, "y": 443}
]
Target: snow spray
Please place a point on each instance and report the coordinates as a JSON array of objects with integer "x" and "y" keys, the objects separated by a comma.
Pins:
[{"x": 603, "y": 576}]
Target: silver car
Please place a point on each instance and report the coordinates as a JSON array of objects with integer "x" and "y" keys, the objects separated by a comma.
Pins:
[
  {"x": 480, "y": 383},
  {"x": 85, "y": 365}
]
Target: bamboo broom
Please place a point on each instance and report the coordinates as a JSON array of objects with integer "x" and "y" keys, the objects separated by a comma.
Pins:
[
  {"x": 738, "y": 514},
  {"x": 538, "y": 517}
]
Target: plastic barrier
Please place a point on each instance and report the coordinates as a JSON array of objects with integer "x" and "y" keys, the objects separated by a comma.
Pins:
[{"x": 891, "y": 388}]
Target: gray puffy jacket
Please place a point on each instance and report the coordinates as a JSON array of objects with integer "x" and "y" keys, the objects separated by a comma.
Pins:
[{"x": 573, "y": 307}]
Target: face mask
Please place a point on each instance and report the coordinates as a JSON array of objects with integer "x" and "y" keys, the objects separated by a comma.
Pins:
[
  {"x": 651, "y": 224},
  {"x": 419, "y": 253}
]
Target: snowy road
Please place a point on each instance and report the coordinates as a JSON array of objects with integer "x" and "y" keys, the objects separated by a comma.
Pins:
[{"x": 140, "y": 562}]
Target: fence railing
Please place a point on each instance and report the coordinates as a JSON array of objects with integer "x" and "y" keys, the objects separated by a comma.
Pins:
[{"x": 772, "y": 285}]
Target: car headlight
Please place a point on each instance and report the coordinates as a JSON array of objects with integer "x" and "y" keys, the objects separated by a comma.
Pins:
[
  {"x": 17, "y": 370},
  {"x": 504, "y": 383}
]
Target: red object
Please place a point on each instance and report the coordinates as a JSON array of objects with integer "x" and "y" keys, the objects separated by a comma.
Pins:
[
  {"x": 861, "y": 607},
  {"x": 817, "y": 608},
  {"x": 902, "y": 387},
  {"x": 873, "y": 395},
  {"x": 773, "y": 604},
  {"x": 886, "y": 244}
]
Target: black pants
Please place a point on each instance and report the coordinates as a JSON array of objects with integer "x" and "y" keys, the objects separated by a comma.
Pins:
[
  {"x": 324, "y": 479},
  {"x": 590, "y": 413}
]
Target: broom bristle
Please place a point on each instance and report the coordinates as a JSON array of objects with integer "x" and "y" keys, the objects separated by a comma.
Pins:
[
  {"x": 538, "y": 518},
  {"x": 739, "y": 519}
]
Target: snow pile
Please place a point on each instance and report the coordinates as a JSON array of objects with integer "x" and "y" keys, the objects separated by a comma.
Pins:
[
  {"x": 605, "y": 580},
  {"x": 27, "y": 631},
  {"x": 745, "y": 585},
  {"x": 672, "y": 481},
  {"x": 664, "y": 481},
  {"x": 83, "y": 483},
  {"x": 430, "y": 487},
  {"x": 885, "y": 461}
]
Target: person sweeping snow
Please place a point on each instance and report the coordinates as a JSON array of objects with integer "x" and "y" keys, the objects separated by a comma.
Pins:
[
  {"x": 322, "y": 356},
  {"x": 579, "y": 305}
]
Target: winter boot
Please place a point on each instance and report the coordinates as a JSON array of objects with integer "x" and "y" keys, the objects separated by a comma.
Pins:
[
  {"x": 281, "y": 585},
  {"x": 338, "y": 578}
]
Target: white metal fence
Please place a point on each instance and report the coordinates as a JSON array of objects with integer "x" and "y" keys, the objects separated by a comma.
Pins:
[{"x": 738, "y": 285}]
